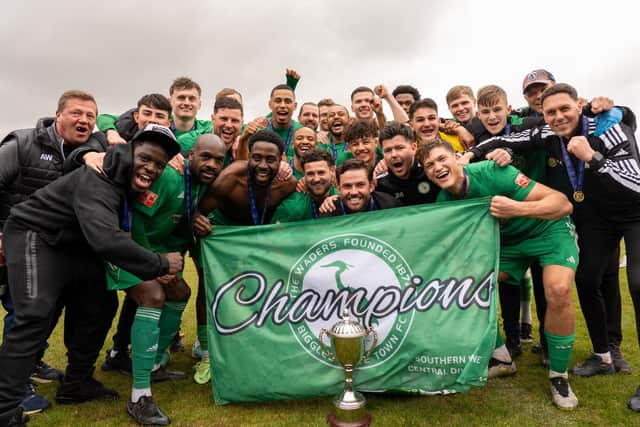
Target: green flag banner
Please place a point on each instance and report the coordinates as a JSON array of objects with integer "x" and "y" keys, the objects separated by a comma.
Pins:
[{"x": 423, "y": 277}]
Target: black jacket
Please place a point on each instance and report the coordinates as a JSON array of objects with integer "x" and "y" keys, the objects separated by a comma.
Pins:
[
  {"x": 29, "y": 160},
  {"x": 415, "y": 190},
  {"x": 86, "y": 207},
  {"x": 611, "y": 187}
]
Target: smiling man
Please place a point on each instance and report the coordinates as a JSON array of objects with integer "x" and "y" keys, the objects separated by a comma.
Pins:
[
  {"x": 77, "y": 220},
  {"x": 425, "y": 122},
  {"x": 309, "y": 115},
  {"x": 362, "y": 99},
  {"x": 304, "y": 139},
  {"x": 601, "y": 176},
  {"x": 227, "y": 120},
  {"x": 185, "y": 96},
  {"x": 323, "y": 112},
  {"x": 533, "y": 85},
  {"x": 356, "y": 191},
  {"x": 163, "y": 223},
  {"x": 534, "y": 225},
  {"x": 406, "y": 95},
  {"x": 29, "y": 160},
  {"x": 319, "y": 173},
  {"x": 246, "y": 192},
  {"x": 282, "y": 103},
  {"x": 338, "y": 119},
  {"x": 362, "y": 140},
  {"x": 461, "y": 103}
]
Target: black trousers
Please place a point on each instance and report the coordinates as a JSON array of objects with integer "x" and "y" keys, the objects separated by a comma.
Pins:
[
  {"x": 122, "y": 337},
  {"x": 599, "y": 239},
  {"x": 541, "y": 299},
  {"x": 40, "y": 277}
]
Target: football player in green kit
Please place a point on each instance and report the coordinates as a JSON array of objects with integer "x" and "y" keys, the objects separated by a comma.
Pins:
[
  {"x": 162, "y": 221},
  {"x": 338, "y": 120},
  {"x": 534, "y": 225},
  {"x": 319, "y": 173}
]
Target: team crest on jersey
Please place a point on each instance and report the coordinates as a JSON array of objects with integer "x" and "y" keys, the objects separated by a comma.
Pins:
[
  {"x": 424, "y": 188},
  {"x": 522, "y": 180},
  {"x": 148, "y": 198}
]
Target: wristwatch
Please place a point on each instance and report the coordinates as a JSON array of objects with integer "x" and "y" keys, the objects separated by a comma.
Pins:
[{"x": 596, "y": 161}]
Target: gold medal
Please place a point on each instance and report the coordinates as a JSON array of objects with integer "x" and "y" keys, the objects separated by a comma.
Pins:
[
  {"x": 552, "y": 162},
  {"x": 578, "y": 196}
]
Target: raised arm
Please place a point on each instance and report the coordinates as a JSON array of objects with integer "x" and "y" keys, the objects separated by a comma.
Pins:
[{"x": 398, "y": 113}]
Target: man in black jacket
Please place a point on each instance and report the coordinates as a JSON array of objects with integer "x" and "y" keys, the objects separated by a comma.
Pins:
[
  {"x": 77, "y": 220},
  {"x": 405, "y": 178},
  {"x": 29, "y": 160},
  {"x": 601, "y": 175}
]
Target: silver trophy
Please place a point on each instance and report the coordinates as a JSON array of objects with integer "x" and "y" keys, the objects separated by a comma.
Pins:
[{"x": 347, "y": 340}]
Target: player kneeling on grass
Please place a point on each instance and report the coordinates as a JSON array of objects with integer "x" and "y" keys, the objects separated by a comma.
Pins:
[
  {"x": 162, "y": 221},
  {"x": 534, "y": 225}
]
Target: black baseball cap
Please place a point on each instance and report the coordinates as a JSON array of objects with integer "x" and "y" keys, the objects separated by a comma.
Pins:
[{"x": 160, "y": 134}]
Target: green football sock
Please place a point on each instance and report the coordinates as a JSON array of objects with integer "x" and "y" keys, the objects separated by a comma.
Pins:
[
  {"x": 560, "y": 349},
  {"x": 169, "y": 324},
  {"x": 144, "y": 345},
  {"x": 203, "y": 338}
]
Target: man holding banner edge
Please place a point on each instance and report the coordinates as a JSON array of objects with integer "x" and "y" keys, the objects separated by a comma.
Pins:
[{"x": 547, "y": 234}]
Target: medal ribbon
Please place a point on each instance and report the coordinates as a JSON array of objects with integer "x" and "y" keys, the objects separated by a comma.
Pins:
[
  {"x": 576, "y": 180},
  {"x": 334, "y": 149},
  {"x": 314, "y": 209},
  {"x": 127, "y": 217},
  {"x": 188, "y": 207},
  {"x": 465, "y": 184},
  {"x": 252, "y": 201}
]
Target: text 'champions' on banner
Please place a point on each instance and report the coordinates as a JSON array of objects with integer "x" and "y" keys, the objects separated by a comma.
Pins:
[{"x": 423, "y": 277}]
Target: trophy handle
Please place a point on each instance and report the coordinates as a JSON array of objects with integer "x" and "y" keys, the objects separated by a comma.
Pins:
[
  {"x": 330, "y": 355},
  {"x": 367, "y": 353}
]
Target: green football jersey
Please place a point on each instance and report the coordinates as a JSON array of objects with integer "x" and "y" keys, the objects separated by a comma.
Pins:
[
  {"x": 488, "y": 179},
  {"x": 297, "y": 207},
  {"x": 159, "y": 221}
]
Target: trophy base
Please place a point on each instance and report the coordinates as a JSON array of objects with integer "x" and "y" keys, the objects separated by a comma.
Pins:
[{"x": 362, "y": 422}]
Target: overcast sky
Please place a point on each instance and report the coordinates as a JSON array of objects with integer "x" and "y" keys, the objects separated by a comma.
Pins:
[{"x": 122, "y": 49}]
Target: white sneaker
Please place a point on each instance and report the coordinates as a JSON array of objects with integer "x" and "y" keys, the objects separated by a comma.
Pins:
[
  {"x": 562, "y": 395},
  {"x": 498, "y": 368}
]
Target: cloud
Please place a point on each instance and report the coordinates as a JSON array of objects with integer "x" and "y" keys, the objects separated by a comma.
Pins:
[{"x": 121, "y": 50}]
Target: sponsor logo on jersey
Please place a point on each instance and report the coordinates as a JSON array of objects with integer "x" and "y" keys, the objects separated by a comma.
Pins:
[
  {"x": 522, "y": 180},
  {"x": 148, "y": 198}
]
